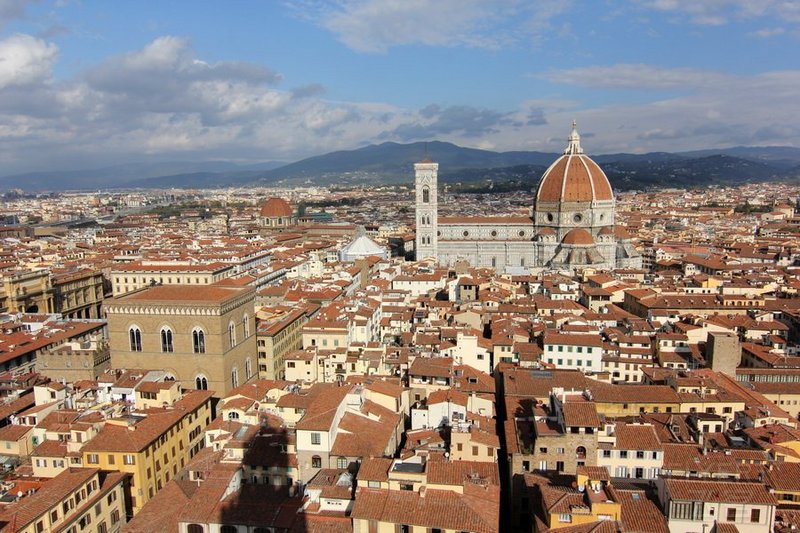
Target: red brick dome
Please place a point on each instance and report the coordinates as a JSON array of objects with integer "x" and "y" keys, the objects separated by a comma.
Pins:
[
  {"x": 275, "y": 208},
  {"x": 578, "y": 236},
  {"x": 574, "y": 177}
]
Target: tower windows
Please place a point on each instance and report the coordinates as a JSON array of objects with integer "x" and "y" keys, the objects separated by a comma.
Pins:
[
  {"x": 426, "y": 195},
  {"x": 246, "y": 324},
  {"x": 198, "y": 341},
  {"x": 166, "y": 340},
  {"x": 201, "y": 383},
  {"x": 135, "y": 336},
  {"x": 232, "y": 334}
]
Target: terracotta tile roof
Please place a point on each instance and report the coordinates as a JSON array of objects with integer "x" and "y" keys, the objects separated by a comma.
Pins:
[
  {"x": 14, "y": 432},
  {"x": 441, "y": 509},
  {"x": 784, "y": 477},
  {"x": 160, "y": 514},
  {"x": 719, "y": 491},
  {"x": 32, "y": 507},
  {"x": 375, "y": 469},
  {"x": 636, "y": 437},
  {"x": 581, "y": 414},
  {"x": 118, "y": 438},
  {"x": 50, "y": 448},
  {"x": 460, "y": 473},
  {"x": 538, "y": 384},
  {"x": 253, "y": 505},
  {"x": 321, "y": 411},
  {"x": 363, "y": 436},
  {"x": 640, "y": 514},
  {"x": 572, "y": 339},
  {"x": 439, "y": 367},
  {"x": 690, "y": 458},
  {"x": 184, "y": 293}
]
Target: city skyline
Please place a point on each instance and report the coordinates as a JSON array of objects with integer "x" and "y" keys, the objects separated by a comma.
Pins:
[{"x": 84, "y": 85}]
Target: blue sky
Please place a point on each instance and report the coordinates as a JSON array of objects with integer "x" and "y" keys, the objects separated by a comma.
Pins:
[{"x": 87, "y": 83}]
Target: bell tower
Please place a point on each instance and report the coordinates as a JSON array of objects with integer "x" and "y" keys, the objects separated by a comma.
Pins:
[{"x": 426, "y": 177}]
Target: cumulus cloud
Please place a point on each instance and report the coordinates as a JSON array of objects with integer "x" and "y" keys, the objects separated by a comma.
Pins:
[
  {"x": 165, "y": 101},
  {"x": 466, "y": 121},
  {"x": 377, "y": 25},
  {"x": 25, "y": 60}
]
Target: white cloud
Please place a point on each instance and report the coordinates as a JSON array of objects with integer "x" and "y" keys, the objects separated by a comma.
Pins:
[
  {"x": 377, "y": 25},
  {"x": 12, "y": 9},
  {"x": 716, "y": 12},
  {"x": 164, "y": 101},
  {"x": 25, "y": 60},
  {"x": 637, "y": 76},
  {"x": 719, "y": 111},
  {"x": 766, "y": 33}
]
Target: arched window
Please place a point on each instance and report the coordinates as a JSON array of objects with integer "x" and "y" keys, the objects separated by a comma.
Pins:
[
  {"x": 235, "y": 377},
  {"x": 195, "y": 528},
  {"x": 316, "y": 462},
  {"x": 201, "y": 383},
  {"x": 342, "y": 462},
  {"x": 426, "y": 195},
  {"x": 246, "y": 325},
  {"x": 248, "y": 369},
  {"x": 232, "y": 334},
  {"x": 198, "y": 341},
  {"x": 166, "y": 340},
  {"x": 233, "y": 415},
  {"x": 580, "y": 452},
  {"x": 169, "y": 377},
  {"x": 135, "y": 335}
]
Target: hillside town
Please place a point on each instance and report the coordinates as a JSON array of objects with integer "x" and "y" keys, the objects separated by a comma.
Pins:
[{"x": 285, "y": 360}]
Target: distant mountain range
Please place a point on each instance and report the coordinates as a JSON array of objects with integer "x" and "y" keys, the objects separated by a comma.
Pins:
[{"x": 393, "y": 163}]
